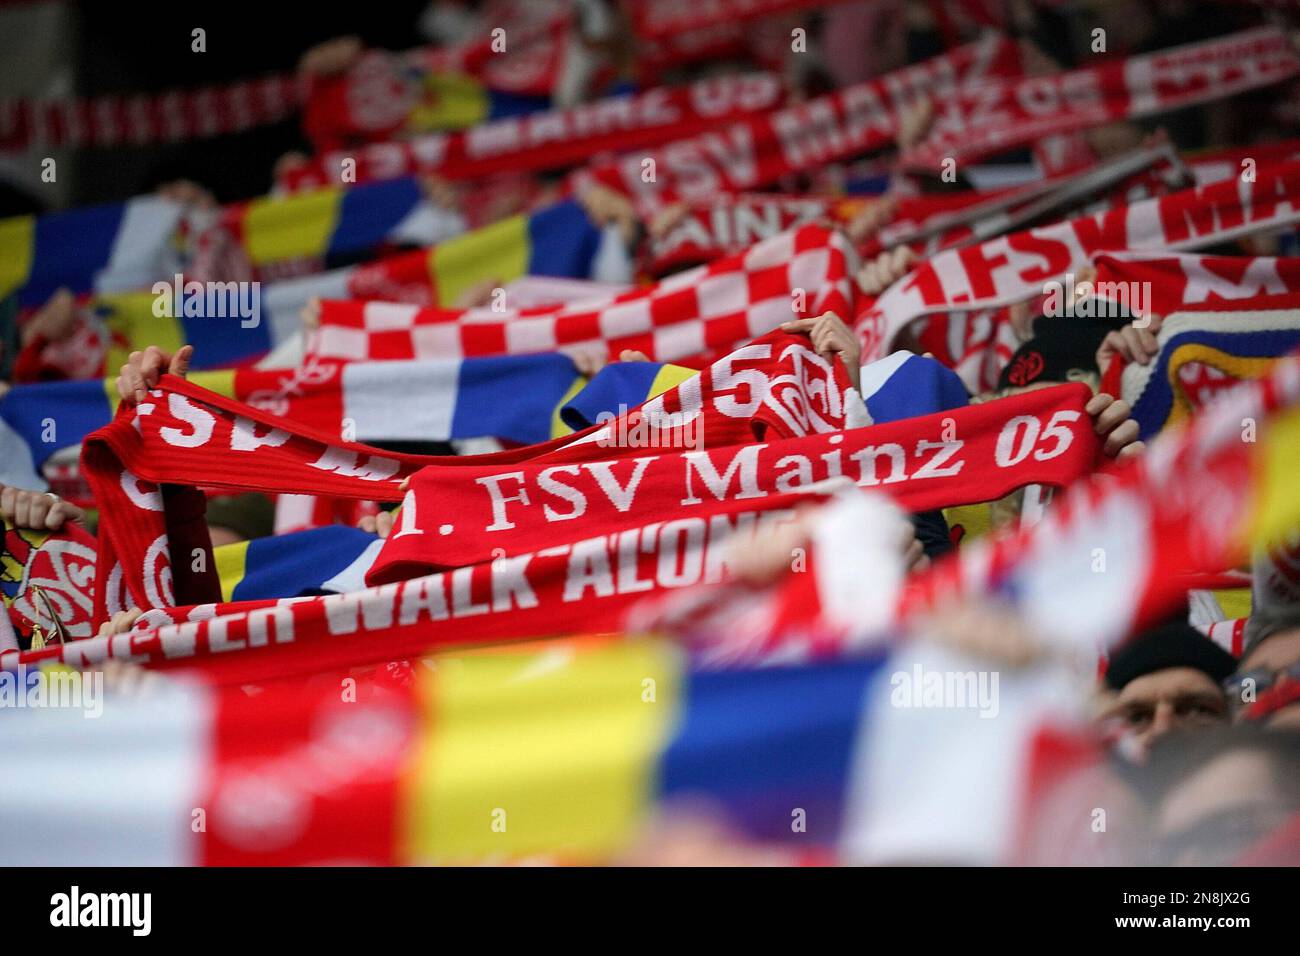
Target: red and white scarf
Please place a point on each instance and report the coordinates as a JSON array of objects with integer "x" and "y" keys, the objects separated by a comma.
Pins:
[
  {"x": 1170, "y": 282},
  {"x": 754, "y": 153},
  {"x": 1124, "y": 547},
  {"x": 800, "y": 273},
  {"x": 184, "y": 435},
  {"x": 552, "y": 139},
  {"x": 1019, "y": 266},
  {"x": 981, "y": 121},
  {"x": 146, "y": 119},
  {"x": 515, "y": 596},
  {"x": 455, "y": 516}
]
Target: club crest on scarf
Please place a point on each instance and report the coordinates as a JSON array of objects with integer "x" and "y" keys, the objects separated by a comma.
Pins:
[
  {"x": 61, "y": 565},
  {"x": 807, "y": 398}
]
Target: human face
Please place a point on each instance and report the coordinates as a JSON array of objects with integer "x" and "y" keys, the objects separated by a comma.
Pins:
[
  {"x": 1156, "y": 703},
  {"x": 1210, "y": 818},
  {"x": 1274, "y": 663}
]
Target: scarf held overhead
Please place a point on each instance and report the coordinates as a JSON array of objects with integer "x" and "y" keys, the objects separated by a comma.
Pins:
[
  {"x": 800, "y": 273},
  {"x": 455, "y": 516}
]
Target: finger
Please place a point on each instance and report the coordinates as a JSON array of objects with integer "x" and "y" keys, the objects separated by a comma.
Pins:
[
  {"x": 8, "y": 498},
  {"x": 152, "y": 364},
  {"x": 405, "y": 486},
  {"x": 367, "y": 523},
  {"x": 384, "y": 523},
  {"x": 633, "y": 355},
  {"x": 1116, "y": 413},
  {"x": 1098, "y": 403},
  {"x": 1148, "y": 341},
  {"x": 1125, "y": 434},
  {"x": 1132, "y": 345},
  {"x": 129, "y": 618},
  {"x": 23, "y": 510},
  {"x": 799, "y": 325},
  {"x": 180, "y": 363},
  {"x": 1109, "y": 347},
  {"x": 37, "y": 511},
  {"x": 58, "y": 513},
  {"x": 1131, "y": 449}
]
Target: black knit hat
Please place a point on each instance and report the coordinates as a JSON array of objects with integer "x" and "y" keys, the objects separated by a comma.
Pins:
[
  {"x": 1170, "y": 645},
  {"x": 1060, "y": 344}
]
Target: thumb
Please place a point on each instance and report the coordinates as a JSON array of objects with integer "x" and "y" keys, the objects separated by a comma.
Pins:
[{"x": 180, "y": 363}]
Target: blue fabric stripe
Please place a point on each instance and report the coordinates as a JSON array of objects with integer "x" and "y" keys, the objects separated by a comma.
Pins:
[
  {"x": 501, "y": 105},
  {"x": 224, "y": 342},
  {"x": 368, "y": 213},
  {"x": 70, "y": 249},
  {"x": 920, "y": 386},
  {"x": 286, "y": 565},
  {"x": 562, "y": 241},
  {"x": 1154, "y": 405},
  {"x": 511, "y": 397},
  {"x": 764, "y": 742},
  {"x": 620, "y": 383},
  {"x": 74, "y": 410}
]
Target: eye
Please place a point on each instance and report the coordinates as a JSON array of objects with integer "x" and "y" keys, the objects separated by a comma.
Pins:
[
  {"x": 1199, "y": 708},
  {"x": 1138, "y": 719}
]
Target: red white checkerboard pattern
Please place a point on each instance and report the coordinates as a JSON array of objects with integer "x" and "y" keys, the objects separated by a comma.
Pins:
[{"x": 715, "y": 306}]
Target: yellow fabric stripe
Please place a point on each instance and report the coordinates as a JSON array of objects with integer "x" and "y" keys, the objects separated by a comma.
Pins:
[
  {"x": 498, "y": 252},
  {"x": 232, "y": 562},
  {"x": 110, "y": 392},
  {"x": 1234, "y": 365},
  {"x": 1234, "y": 601},
  {"x": 449, "y": 101},
  {"x": 1277, "y": 506},
  {"x": 291, "y": 227},
  {"x": 221, "y": 381},
  {"x": 558, "y": 427},
  {"x": 670, "y": 376},
  {"x": 552, "y": 749},
  {"x": 17, "y": 245},
  {"x": 130, "y": 317}
]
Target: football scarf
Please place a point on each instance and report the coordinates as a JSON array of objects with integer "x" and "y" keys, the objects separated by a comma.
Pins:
[
  {"x": 47, "y": 574},
  {"x": 457, "y": 515},
  {"x": 999, "y": 116},
  {"x": 753, "y": 153},
  {"x": 508, "y": 597},
  {"x": 424, "y": 400},
  {"x": 1161, "y": 283},
  {"x": 386, "y": 95},
  {"x": 606, "y": 733},
  {"x": 552, "y": 139},
  {"x": 726, "y": 224},
  {"x": 1205, "y": 352},
  {"x": 800, "y": 273},
  {"x": 1126, "y": 547},
  {"x": 586, "y": 587},
  {"x": 147, "y": 119},
  {"x": 134, "y": 244},
  {"x": 188, "y": 436},
  {"x": 1026, "y": 264},
  {"x": 652, "y": 21}
]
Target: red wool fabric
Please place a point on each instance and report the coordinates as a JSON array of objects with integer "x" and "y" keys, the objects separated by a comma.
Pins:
[
  {"x": 551, "y": 139},
  {"x": 457, "y": 516},
  {"x": 184, "y": 436},
  {"x": 753, "y": 153},
  {"x": 981, "y": 121},
  {"x": 795, "y": 274}
]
